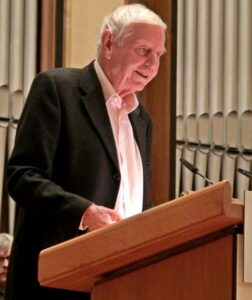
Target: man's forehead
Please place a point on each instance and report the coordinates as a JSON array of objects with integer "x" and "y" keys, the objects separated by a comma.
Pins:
[
  {"x": 143, "y": 31},
  {"x": 4, "y": 252}
]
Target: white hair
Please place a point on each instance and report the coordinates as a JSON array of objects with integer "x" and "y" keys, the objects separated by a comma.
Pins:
[
  {"x": 123, "y": 16},
  {"x": 5, "y": 241}
]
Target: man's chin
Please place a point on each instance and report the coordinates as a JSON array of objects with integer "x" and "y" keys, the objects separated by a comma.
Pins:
[{"x": 140, "y": 85}]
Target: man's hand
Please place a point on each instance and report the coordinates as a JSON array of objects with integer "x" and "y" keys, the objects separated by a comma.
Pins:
[{"x": 97, "y": 216}]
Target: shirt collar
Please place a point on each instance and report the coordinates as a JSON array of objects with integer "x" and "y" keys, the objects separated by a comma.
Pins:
[{"x": 130, "y": 103}]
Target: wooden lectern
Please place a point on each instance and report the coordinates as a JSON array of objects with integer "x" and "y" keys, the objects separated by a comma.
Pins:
[{"x": 184, "y": 249}]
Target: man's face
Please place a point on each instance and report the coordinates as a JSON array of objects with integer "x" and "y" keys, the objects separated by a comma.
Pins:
[
  {"x": 134, "y": 61},
  {"x": 4, "y": 262}
]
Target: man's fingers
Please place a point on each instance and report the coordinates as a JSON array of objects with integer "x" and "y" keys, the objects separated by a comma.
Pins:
[{"x": 98, "y": 216}]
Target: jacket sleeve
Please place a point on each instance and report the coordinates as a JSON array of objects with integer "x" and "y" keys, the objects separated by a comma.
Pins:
[{"x": 29, "y": 170}]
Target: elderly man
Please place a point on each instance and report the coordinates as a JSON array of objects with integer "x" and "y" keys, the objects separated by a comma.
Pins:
[
  {"x": 5, "y": 249},
  {"x": 82, "y": 153}
]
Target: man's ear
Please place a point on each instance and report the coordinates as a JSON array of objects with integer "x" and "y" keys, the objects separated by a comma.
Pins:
[{"x": 107, "y": 43}]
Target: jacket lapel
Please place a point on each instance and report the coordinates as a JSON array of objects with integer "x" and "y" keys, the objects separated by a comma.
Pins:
[
  {"x": 94, "y": 103},
  {"x": 139, "y": 129}
]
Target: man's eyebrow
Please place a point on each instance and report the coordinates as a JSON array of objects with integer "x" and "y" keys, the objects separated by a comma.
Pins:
[{"x": 140, "y": 42}]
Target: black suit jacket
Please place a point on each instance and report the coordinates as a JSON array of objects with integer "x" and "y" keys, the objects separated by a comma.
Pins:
[{"x": 63, "y": 160}]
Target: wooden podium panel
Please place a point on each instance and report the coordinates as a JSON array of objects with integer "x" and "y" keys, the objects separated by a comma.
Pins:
[
  {"x": 190, "y": 275},
  {"x": 186, "y": 242}
]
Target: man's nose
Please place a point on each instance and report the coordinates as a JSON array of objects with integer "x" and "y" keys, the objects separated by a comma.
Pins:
[
  {"x": 5, "y": 261},
  {"x": 152, "y": 61}
]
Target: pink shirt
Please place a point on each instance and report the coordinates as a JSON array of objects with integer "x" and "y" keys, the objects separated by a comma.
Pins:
[{"x": 130, "y": 195}]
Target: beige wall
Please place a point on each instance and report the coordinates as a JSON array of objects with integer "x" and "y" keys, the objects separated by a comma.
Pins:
[{"x": 81, "y": 28}]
